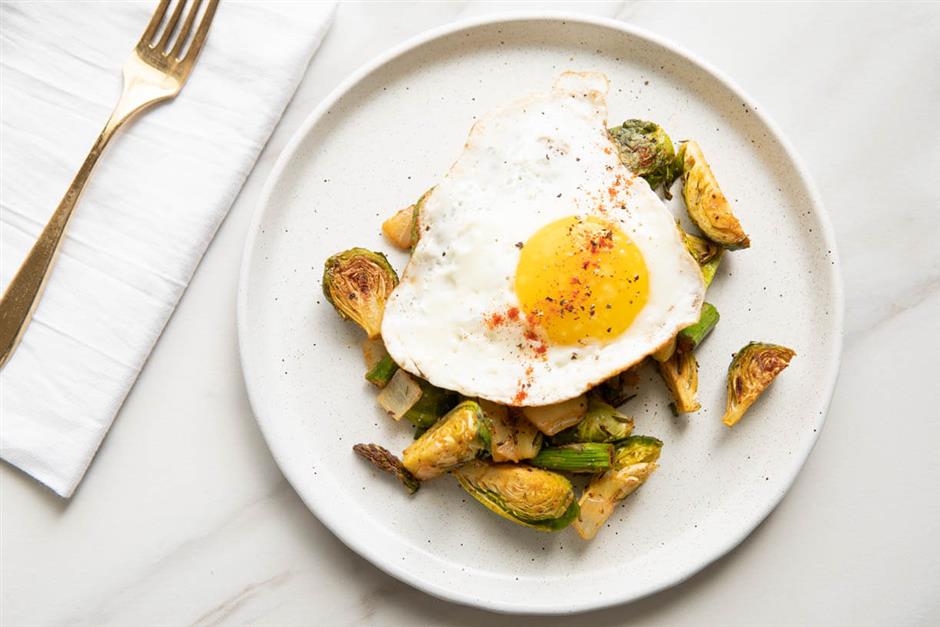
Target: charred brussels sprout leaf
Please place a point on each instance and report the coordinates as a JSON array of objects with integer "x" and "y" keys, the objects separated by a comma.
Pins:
[
  {"x": 358, "y": 282},
  {"x": 586, "y": 457},
  {"x": 752, "y": 370},
  {"x": 646, "y": 150},
  {"x": 634, "y": 461},
  {"x": 529, "y": 496},
  {"x": 384, "y": 460},
  {"x": 680, "y": 372},
  {"x": 690, "y": 337},
  {"x": 619, "y": 389},
  {"x": 455, "y": 439},
  {"x": 602, "y": 423},
  {"x": 707, "y": 206}
]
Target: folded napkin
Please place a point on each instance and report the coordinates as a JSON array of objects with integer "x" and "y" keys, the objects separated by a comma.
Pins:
[{"x": 159, "y": 193}]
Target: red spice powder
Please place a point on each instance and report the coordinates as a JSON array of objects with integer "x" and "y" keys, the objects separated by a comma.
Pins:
[{"x": 513, "y": 313}]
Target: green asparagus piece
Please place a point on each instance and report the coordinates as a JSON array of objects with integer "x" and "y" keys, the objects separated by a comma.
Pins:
[
  {"x": 586, "y": 457},
  {"x": 382, "y": 372},
  {"x": 690, "y": 337}
]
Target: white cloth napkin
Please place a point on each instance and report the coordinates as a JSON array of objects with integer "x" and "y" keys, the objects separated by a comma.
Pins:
[{"x": 153, "y": 205}]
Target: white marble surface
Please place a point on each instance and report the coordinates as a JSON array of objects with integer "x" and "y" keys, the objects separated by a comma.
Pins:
[{"x": 184, "y": 518}]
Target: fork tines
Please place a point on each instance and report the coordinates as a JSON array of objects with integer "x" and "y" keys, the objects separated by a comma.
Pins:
[{"x": 172, "y": 42}]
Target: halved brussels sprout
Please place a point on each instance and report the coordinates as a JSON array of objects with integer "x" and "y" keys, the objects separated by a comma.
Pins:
[
  {"x": 384, "y": 460},
  {"x": 680, "y": 372},
  {"x": 690, "y": 337},
  {"x": 637, "y": 449},
  {"x": 584, "y": 457},
  {"x": 752, "y": 370},
  {"x": 707, "y": 206},
  {"x": 701, "y": 249},
  {"x": 514, "y": 438},
  {"x": 646, "y": 150},
  {"x": 620, "y": 388},
  {"x": 458, "y": 437},
  {"x": 551, "y": 419},
  {"x": 602, "y": 423},
  {"x": 529, "y": 496},
  {"x": 710, "y": 268},
  {"x": 634, "y": 462},
  {"x": 706, "y": 253},
  {"x": 357, "y": 282}
]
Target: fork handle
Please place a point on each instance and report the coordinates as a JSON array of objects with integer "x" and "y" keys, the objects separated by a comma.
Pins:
[{"x": 24, "y": 291}]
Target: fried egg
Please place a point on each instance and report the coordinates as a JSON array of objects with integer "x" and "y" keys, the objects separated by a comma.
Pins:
[{"x": 544, "y": 266}]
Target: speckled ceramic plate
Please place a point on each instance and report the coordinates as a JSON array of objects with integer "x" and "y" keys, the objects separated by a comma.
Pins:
[{"x": 388, "y": 133}]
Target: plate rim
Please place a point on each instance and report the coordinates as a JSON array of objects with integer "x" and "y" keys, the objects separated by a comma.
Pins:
[{"x": 378, "y": 559}]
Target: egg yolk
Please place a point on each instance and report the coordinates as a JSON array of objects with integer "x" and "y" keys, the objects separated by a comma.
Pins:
[{"x": 581, "y": 279}]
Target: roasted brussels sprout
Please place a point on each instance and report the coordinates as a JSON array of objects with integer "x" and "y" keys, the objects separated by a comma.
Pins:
[
  {"x": 634, "y": 462},
  {"x": 706, "y": 253},
  {"x": 358, "y": 282},
  {"x": 710, "y": 268},
  {"x": 550, "y": 419},
  {"x": 585, "y": 457},
  {"x": 619, "y": 389},
  {"x": 455, "y": 439},
  {"x": 752, "y": 370},
  {"x": 384, "y": 460},
  {"x": 690, "y": 337},
  {"x": 514, "y": 438},
  {"x": 680, "y": 372},
  {"x": 646, "y": 150},
  {"x": 707, "y": 206},
  {"x": 602, "y": 423},
  {"x": 529, "y": 496},
  {"x": 637, "y": 449}
]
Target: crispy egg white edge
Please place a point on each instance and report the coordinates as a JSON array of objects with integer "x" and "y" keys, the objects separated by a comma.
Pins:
[{"x": 433, "y": 327}]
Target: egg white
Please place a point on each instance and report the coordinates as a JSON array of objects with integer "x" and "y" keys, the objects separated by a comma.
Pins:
[{"x": 528, "y": 164}]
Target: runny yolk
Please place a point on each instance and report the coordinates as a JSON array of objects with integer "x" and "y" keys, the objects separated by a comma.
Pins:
[{"x": 581, "y": 279}]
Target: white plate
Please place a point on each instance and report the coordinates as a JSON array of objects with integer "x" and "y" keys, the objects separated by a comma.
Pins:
[{"x": 387, "y": 134}]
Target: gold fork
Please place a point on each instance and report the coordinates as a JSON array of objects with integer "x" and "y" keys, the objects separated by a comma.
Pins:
[{"x": 156, "y": 70}]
